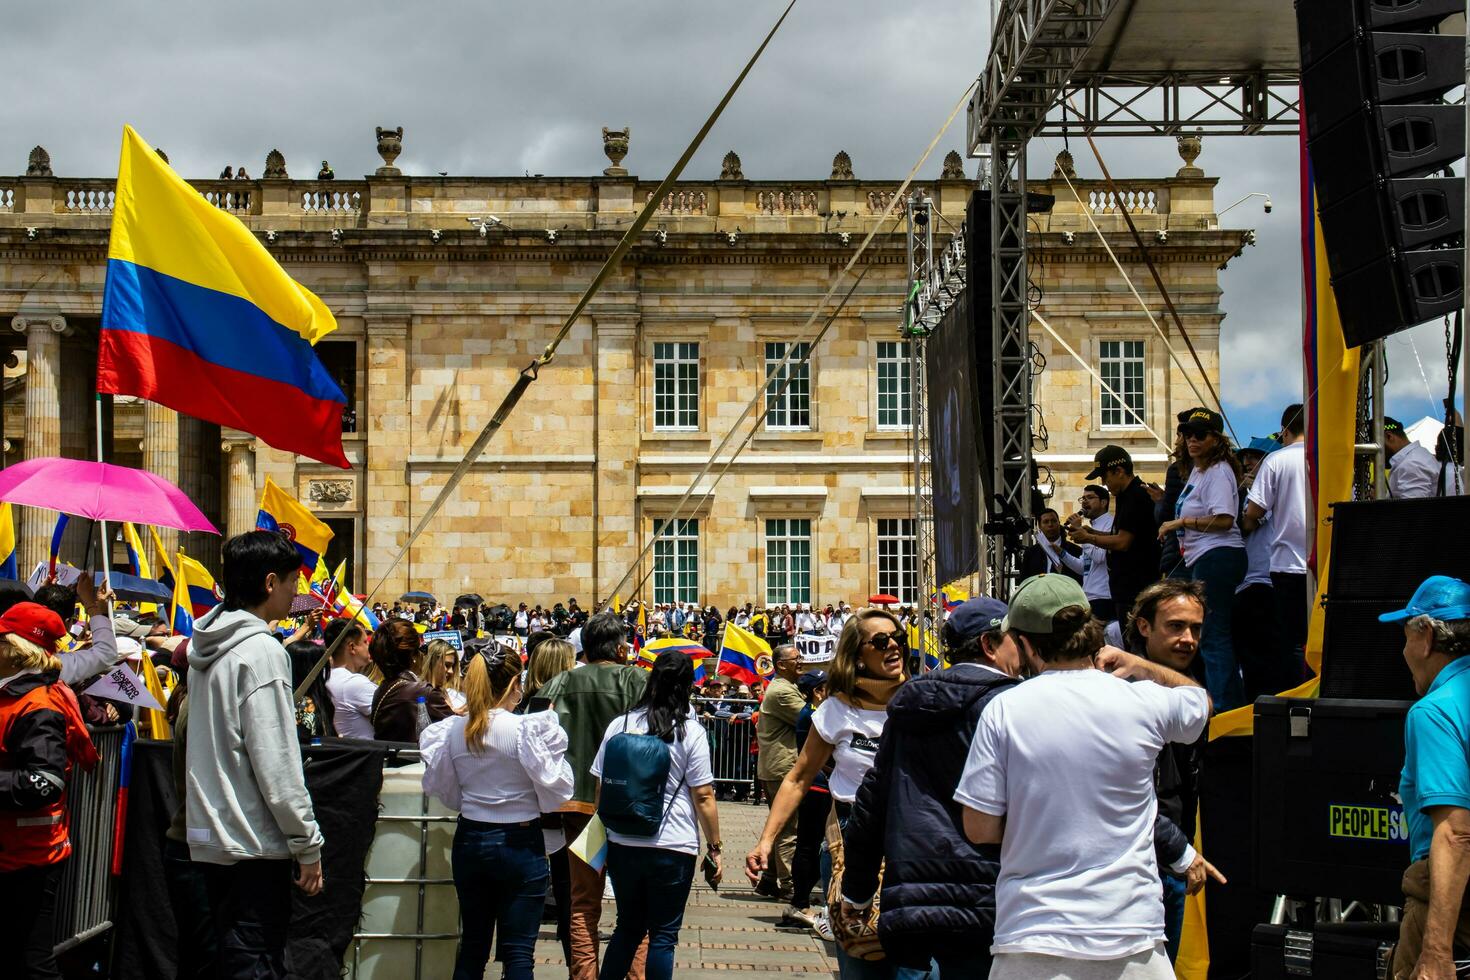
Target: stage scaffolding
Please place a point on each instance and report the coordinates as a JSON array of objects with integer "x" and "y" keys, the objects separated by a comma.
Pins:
[{"x": 1104, "y": 67}]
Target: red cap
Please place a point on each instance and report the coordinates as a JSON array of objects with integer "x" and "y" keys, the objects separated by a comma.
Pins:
[{"x": 33, "y": 621}]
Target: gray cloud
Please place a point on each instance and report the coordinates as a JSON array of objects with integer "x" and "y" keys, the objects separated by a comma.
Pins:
[{"x": 505, "y": 88}]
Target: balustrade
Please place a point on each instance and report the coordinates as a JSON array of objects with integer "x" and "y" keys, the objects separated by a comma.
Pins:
[
  {"x": 329, "y": 197},
  {"x": 691, "y": 202},
  {"x": 7, "y": 199},
  {"x": 85, "y": 196},
  {"x": 786, "y": 201},
  {"x": 1134, "y": 200}
]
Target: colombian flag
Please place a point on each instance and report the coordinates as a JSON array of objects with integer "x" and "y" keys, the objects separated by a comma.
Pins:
[
  {"x": 8, "y": 567},
  {"x": 279, "y": 511},
  {"x": 138, "y": 561},
  {"x": 56, "y": 534},
  {"x": 349, "y": 606},
  {"x": 196, "y": 315},
  {"x": 194, "y": 594},
  {"x": 745, "y": 656},
  {"x": 696, "y": 651},
  {"x": 165, "y": 567}
]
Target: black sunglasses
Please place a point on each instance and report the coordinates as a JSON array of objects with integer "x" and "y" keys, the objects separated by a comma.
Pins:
[{"x": 880, "y": 641}]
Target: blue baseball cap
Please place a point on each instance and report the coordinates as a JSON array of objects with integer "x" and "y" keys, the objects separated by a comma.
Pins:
[
  {"x": 1265, "y": 445},
  {"x": 975, "y": 616},
  {"x": 1438, "y": 597}
]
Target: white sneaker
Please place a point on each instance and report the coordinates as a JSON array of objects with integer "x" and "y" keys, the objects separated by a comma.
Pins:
[
  {"x": 822, "y": 926},
  {"x": 793, "y": 916}
]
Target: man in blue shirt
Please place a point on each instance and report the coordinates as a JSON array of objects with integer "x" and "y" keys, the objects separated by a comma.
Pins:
[{"x": 1435, "y": 785}]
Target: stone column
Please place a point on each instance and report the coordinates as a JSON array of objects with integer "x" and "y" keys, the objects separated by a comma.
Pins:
[
  {"x": 161, "y": 455},
  {"x": 241, "y": 501},
  {"x": 43, "y": 421},
  {"x": 387, "y": 421},
  {"x": 614, "y": 511}
]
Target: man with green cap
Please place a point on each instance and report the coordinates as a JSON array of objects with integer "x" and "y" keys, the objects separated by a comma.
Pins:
[{"x": 1060, "y": 774}]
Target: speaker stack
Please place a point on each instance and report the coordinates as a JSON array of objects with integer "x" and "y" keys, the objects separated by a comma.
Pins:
[{"x": 1374, "y": 77}]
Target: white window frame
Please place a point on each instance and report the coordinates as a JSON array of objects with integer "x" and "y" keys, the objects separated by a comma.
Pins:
[
  {"x": 676, "y": 562},
  {"x": 898, "y": 563},
  {"x": 893, "y": 358},
  {"x": 796, "y": 401},
  {"x": 676, "y": 386},
  {"x": 788, "y": 548},
  {"x": 1114, "y": 358}
]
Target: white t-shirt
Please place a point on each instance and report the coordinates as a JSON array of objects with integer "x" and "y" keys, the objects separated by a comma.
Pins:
[
  {"x": 1258, "y": 547},
  {"x": 689, "y": 763},
  {"x": 854, "y": 734},
  {"x": 1280, "y": 488},
  {"x": 520, "y": 773},
  {"x": 352, "y": 697},
  {"x": 1068, "y": 759},
  {"x": 1092, "y": 564},
  {"x": 522, "y": 621},
  {"x": 1209, "y": 493}
]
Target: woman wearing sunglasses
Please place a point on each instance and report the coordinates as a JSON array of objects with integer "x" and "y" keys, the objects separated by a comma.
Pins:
[
  {"x": 867, "y": 668},
  {"x": 501, "y": 771}
]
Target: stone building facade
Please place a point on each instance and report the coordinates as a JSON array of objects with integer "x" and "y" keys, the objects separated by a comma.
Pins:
[{"x": 445, "y": 288}]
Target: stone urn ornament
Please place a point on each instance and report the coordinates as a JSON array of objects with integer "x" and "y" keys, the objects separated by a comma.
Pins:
[
  {"x": 39, "y": 164},
  {"x": 390, "y": 144},
  {"x": 1064, "y": 168},
  {"x": 954, "y": 166},
  {"x": 730, "y": 168},
  {"x": 1190, "y": 145},
  {"x": 841, "y": 166},
  {"x": 275, "y": 166},
  {"x": 615, "y": 145}
]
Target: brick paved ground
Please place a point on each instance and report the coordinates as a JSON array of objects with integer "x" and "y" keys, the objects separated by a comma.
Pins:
[{"x": 728, "y": 930}]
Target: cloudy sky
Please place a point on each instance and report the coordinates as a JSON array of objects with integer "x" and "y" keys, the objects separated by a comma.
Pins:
[{"x": 495, "y": 87}]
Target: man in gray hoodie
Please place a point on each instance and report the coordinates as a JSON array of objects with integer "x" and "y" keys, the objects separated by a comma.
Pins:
[{"x": 247, "y": 812}]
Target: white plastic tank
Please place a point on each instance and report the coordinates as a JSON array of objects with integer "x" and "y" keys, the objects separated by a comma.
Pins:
[{"x": 410, "y": 913}]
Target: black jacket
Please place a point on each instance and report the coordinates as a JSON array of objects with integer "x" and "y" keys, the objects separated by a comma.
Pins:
[
  {"x": 938, "y": 888},
  {"x": 1035, "y": 561}
]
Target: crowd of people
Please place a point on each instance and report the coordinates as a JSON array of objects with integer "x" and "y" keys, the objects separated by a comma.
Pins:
[{"x": 1027, "y": 811}]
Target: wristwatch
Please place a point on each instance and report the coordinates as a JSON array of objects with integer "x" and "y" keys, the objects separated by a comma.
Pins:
[{"x": 714, "y": 846}]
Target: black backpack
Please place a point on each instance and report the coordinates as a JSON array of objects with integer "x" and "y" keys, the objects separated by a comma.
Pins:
[{"x": 635, "y": 770}]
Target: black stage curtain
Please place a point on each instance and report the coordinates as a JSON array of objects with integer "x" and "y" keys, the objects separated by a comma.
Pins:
[
  {"x": 344, "y": 779},
  {"x": 1232, "y": 910}
]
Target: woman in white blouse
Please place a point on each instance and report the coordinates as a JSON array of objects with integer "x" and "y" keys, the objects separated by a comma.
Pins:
[
  {"x": 501, "y": 771},
  {"x": 1210, "y": 541}
]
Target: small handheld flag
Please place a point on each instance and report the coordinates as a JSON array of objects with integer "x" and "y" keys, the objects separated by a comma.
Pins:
[
  {"x": 61, "y": 520},
  {"x": 281, "y": 512},
  {"x": 194, "y": 594},
  {"x": 8, "y": 566}
]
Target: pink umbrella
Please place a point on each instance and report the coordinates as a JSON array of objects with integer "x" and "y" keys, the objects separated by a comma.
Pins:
[{"x": 102, "y": 492}]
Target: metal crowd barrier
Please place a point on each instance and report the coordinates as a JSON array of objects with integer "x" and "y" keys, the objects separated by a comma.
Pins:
[
  {"x": 85, "y": 894},
  {"x": 729, "y": 724}
]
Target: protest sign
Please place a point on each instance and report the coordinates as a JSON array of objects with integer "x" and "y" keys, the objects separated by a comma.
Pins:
[
  {"x": 121, "y": 684},
  {"x": 816, "y": 648},
  {"x": 452, "y": 637}
]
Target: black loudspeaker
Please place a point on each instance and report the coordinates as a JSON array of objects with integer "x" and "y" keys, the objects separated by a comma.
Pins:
[
  {"x": 977, "y": 285},
  {"x": 1330, "y": 951},
  {"x": 1381, "y": 551},
  {"x": 1374, "y": 77}
]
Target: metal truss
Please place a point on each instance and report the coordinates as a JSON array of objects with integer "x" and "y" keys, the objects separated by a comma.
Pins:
[
  {"x": 1037, "y": 46},
  {"x": 1011, "y": 366},
  {"x": 1252, "y": 104},
  {"x": 935, "y": 282}
]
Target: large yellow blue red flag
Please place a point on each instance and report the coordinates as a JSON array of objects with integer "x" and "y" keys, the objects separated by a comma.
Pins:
[
  {"x": 160, "y": 554},
  {"x": 744, "y": 656},
  {"x": 194, "y": 594},
  {"x": 138, "y": 561},
  {"x": 9, "y": 568},
  {"x": 279, "y": 511},
  {"x": 198, "y": 316}
]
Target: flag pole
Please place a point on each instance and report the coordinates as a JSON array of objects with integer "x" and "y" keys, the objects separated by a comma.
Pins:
[{"x": 106, "y": 549}]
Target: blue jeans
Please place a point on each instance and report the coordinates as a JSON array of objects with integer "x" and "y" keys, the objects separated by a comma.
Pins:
[
  {"x": 1221, "y": 570},
  {"x": 652, "y": 885},
  {"x": 1173, "y": 914},
  {"x": 500, "y": 874},
  {"x": 850, "y": 968}
]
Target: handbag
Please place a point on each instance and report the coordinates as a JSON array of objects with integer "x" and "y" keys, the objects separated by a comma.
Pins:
[{"x": 858, "y": 937}]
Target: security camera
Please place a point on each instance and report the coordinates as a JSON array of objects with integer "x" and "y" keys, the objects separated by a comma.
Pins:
[
  {"x": 484, "y": 224},
  {"x": 1070, "y": 237},
  {"x": 336, "y": 235},
  {"x": 551, "y": 234},
  {"x": 1267, "y": 206},
  {"x": 661, "y": 236},
  {"x": 434, "y": 235},
  {"x": 31, "y": 233}
]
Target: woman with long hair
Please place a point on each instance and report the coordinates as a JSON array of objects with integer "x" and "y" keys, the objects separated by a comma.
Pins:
[
  {"x": 395, "y": 715},
  {"x": 867, "y": 668},
  {"x": 441, "y": 672},
  {"x": 501, "y": 771},
  {"x": 1211, "y": 545},
  {"x": 653, "y": 875},
  {"x": 549, "y": 657}
]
